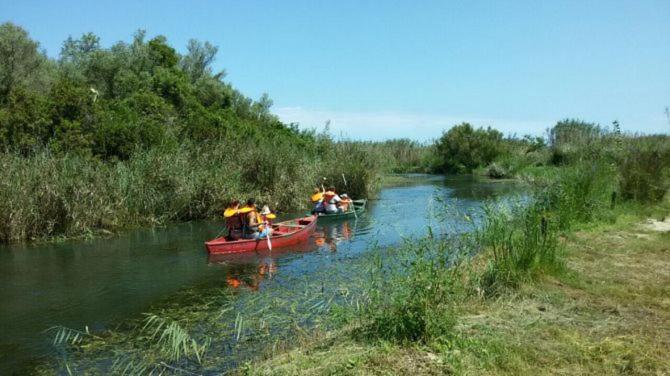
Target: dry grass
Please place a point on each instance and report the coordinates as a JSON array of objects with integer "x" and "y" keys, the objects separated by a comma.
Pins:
[{"x": 609, "y": 313}]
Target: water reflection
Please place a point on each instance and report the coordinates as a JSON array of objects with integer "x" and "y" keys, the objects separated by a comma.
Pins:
[{"x": 249, "y": 270}]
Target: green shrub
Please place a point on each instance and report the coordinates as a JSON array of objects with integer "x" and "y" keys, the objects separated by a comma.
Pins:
[
  {"x": 644, "y": 168},
  {"x": 574, "y": 141},
  {"x": 519, "y": 242},
  {"x": 412, "y": 300},
  {"x": 579, "y": 194},
  {"x": 463, "y": 148}
]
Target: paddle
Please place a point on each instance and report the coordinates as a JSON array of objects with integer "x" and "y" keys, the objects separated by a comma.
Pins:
[
  {"x": 353, "y": 206},
  {"x": 268, "y": 229}
]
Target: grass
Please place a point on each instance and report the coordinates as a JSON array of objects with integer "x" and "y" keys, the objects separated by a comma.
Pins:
[
  {"x": 47, "y": 196},
  {"x": 606, "y": 313},
  {"x": 565, "y": 282}
]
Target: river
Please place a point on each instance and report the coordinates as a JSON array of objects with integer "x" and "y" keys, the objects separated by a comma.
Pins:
[{"x": 101, "y": 282}]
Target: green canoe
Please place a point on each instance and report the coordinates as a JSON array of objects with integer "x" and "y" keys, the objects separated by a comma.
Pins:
[{"x": 359, "y": 206}]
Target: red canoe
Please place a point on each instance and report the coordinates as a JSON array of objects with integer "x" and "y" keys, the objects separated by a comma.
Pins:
[{"x": 284, "y": 234}]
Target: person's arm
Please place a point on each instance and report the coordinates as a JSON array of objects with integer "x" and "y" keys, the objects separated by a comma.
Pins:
[{"x": 251, "y": 217}]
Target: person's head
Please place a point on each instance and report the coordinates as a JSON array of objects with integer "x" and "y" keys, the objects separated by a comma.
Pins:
[
  {"x": 316, "y": 190},
  {"x": 234, "y": 204},
  {"x": 251, "y": 202},
  {"x": 265, "y": 210},
  {"x": 331, "y": 188},
  {"x": 344, "y": 196}
]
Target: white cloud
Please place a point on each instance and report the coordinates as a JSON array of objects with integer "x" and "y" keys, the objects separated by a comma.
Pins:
[{"x": 387, "y": 125}]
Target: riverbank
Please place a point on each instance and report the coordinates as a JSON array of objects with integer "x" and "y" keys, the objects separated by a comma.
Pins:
[
  {"x": 607, "y": 312},
  {"x": 109, "y": 283},
  {"x": 459, "y": 301}
]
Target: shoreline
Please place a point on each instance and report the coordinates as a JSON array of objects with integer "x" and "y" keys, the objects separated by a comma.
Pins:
[{"x": 601, "y": 315}]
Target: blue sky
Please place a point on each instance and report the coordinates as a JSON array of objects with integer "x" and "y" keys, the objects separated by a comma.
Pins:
[{"x": 384, "y": 69}]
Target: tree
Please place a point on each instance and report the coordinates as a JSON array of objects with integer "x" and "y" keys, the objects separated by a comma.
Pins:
[
  {"x": 21, "y": 63},
  {"x": 197, "y": 62},
  {"x": 76, "y": 50},
  {"x": 262, "y": 107},
  {"x": 463, "y": 148}
]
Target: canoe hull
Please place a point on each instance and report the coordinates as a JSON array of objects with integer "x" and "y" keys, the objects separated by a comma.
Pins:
[
  {"x": 285, "y": 234},
  {"x": 359, "y": 206}
]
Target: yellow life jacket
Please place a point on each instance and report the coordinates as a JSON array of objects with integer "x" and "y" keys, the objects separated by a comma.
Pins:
[
  {"x": 262, "y": 220},
  {"x": 245, "y": 210},
  {"x": 259, "y": 219},
  {"x": 229, "y": 212},
  {"x": 316, "y": 197}
]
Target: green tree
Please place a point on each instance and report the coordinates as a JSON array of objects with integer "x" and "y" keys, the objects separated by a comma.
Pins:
[
  {"x": 197, "y": 63},
  {"x": 24, "y": 121},
  {"x": 21, "y": 62},
  {"x": 464, "y": 148}
]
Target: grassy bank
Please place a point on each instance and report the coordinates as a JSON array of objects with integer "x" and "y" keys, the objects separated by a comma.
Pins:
[
  {"x": 571, "y": 282},
  {"x": 460, "y": 303},
  {"x": 606, "y": 312}
]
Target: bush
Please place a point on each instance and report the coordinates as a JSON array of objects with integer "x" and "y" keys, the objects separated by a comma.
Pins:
[
  {"x": 574, "y": 141},
  {"x": 497, "y": 171},
  {"x": 644, "y": 168},
  {"x": 412, "y": 300},
  {"x": 463, "y": 148},
  {"x": 519, "y": 242}
]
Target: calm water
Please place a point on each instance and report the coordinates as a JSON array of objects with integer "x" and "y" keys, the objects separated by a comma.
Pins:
[{"x": 102, "y": 282}]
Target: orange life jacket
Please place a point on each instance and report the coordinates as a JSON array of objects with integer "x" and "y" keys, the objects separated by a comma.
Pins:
[{"x": 328, "y": 196}]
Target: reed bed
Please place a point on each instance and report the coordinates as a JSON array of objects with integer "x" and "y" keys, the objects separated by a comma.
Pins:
[{"x": 47, "y": 195}]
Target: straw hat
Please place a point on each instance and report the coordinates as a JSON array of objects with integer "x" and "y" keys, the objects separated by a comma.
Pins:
[{"x": 265, "y": 210}]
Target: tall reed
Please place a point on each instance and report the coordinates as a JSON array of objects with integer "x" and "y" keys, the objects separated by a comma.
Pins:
[{"x": 48, "y": 195}]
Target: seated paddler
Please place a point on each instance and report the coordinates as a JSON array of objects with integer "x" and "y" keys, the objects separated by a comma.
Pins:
[
  {"x": 234, "y": 220},
  {"x": 265, "y": 227},
  {"x": 331, "y": 201},
  {"x": 317, "y": 200},
  {"x": 251, "y": 220}
]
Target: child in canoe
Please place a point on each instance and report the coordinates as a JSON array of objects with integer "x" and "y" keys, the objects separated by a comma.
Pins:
[{"x": 256, "y": 225}]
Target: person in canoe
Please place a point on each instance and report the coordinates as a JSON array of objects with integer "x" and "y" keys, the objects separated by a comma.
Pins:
[
  {"x": 255, "y": 223},
  {"x": 331, "y": 201},
  {"x": 346, "y": 204},
  {"x": 250, "y": 220},
  {"x": 234, "y": 220},
  {"x": 317, "y": 200},
  {"x": 266, "y": 225}
]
